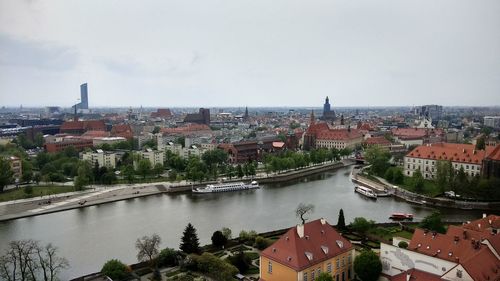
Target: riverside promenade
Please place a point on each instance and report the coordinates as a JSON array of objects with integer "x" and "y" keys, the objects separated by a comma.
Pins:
[
  {"x": 384, "y": 187},
  {"x": 96, "y": 195}
]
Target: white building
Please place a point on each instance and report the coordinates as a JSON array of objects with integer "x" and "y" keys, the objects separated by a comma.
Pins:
[
  {"x": 154, "y": 156},
  {"x": 184, "y": 152},
  {"x": 492, "y": 121},
  {"x": 426, "y": 157},
  {"x": 103, "y": 159}
]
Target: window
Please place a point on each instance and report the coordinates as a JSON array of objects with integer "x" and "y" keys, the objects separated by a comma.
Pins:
[
  {"x": 318, "y": 271},
  {"x": 343, "y": 261},
  {"x": 459, "y": 273},
  {"x": 343, "y": 276},
  {"x": 349, "y": 273},
  {"x": 305, "y": 276},
  {"x": 329, "y": 267},
  {"x": 312, "y": 275},
  {"x": 337, "y": 277},
  {"x": 338, "y": 263},
  {"x": 349, "y": 259},
  {"x": 270, "y": 267}
]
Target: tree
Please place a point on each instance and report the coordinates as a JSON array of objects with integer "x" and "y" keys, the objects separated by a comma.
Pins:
[
  {"x": 361, "y": 225},
  {"x": 403, "y": 244},
  {"x": 302, "y": 210},
  {"x": 226, "y": 231},
  {"x": 378, "y": 159},
  {"x": 367, "y": 266},
  {"x": 167, "y": 257},
  {"x": 239, "y": 171},
  {"x": 37, "y": 178},
  {"x": 28, "y": 260},
  {"x": 218, "y": 239},
  {"x": 128, "y": 172},
  {"x": 144, "y": 168},
  {"x": 241, "y": 261},
  {"x": 481, "y": 143},
  {"x": 84, "y": 176},
  {"x": 156, "y": 130},
  {"x": 324, "y": 276},
  {"x": 115, "y": 270},
  {"x": 148, "y": 248},
  {"x": 39, "y": 140},
  {"x": 5, "y": 173},
  {"x": 189, "y": 241},
  {"x": 433, "y": 222},
  {"x": 341, "y": 221},
  {"x": 158, "y": 169},
  {"x": 417, "y": 181}
]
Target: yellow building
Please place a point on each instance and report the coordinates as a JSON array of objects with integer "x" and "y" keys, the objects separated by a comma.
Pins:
[{"x": 305, "y": 251}]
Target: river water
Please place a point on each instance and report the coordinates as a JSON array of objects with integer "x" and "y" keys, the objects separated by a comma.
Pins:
[{"x": 88, "y": 237}]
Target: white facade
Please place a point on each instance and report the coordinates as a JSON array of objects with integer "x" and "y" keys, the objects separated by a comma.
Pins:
[
  {"x": 185, "y": 152},
  {"x": 339, "y": 144},
  {"x": 103, "y": 159},
  {"x": 428, "y": 167},
  {"x": 154, "y": 156},
  {"x": 492, "y": 121},
  {"x": 107, "y": 140}
]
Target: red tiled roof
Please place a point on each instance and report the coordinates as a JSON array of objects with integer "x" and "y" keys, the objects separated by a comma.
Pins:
[
  {"x": 378, "y": 140},
  {"x": 454, "y": 152},
  {"x": 122, "y": 130},
  {"x": 95, "y": 134},
  {"x": 415, "y": 133},
  {"x": 495, "y": 153},
  {"x": 338, "y": 134},
  {"x": 320, "y": 241},
  {"x": 415, "y": 275},
  {"x": 187, "y": 128},
  {"x": 161, "y": 112}
]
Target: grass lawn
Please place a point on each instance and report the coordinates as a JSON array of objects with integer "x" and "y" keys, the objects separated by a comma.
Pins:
[
  {"x": 20, "y": 193},
  {"x": 387, "y": 233},
  {"x": 430, "y": 187}
]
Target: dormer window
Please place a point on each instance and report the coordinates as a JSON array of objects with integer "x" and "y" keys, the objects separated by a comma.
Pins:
[
  {"x": 325, "y": 249},
  {"x": 309, "y": 255},
  {"x": 340, "y": 244}
]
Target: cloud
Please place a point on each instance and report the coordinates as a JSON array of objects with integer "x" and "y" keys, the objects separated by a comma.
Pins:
[{"x": 34, "y": 54}]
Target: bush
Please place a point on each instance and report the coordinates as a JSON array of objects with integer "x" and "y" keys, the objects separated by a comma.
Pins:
[
  {"x": 368, "y": 266},
  {"x": 261, "y": 243},
  {"x": 362, "y": 225},
  {"x": 403, "y": 244},
  {"x": 168, "y": 257},
  {"x": 213, "y": 267},
  {"x": 115, "y": 270},
  {"x": 241, "y": 261},
  {"x": 247, "y": 236}
]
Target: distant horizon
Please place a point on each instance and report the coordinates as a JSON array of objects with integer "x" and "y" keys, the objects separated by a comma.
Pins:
[{"x": 250, "y": 53}]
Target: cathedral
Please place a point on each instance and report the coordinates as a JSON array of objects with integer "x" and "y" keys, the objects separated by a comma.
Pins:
[{"x": 328, "y": 114}]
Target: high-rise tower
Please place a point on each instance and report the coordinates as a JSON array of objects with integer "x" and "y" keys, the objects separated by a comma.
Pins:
[{"x": 84, "y": 96}]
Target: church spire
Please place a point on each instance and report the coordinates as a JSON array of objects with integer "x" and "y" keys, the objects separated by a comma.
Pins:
[{"x": 313, "y": 119}]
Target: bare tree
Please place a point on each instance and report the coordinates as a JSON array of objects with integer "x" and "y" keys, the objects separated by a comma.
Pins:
[
  {"x": 148, "y": 247},
  {"x": 27, "y": 260},
  {"x": 303, "y": 209}
]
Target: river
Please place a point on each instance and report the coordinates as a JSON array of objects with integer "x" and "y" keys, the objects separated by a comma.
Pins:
[{"x": 88, "y": 237}]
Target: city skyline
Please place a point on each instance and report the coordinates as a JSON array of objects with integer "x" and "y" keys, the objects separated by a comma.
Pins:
[{"x": 250, "y": 53}]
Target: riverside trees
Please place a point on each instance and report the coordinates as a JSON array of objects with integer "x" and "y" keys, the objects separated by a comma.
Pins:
[{"x": 28, "y": 260}]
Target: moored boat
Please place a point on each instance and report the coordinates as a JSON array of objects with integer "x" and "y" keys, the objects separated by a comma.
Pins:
[
  {"x": 225, "y": 187},
  {"x": 365, "y": 191},
  {"x": 401, "y": 216}
]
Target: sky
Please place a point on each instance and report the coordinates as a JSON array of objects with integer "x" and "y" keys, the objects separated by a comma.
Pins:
[{"x": 217, "y": 53}]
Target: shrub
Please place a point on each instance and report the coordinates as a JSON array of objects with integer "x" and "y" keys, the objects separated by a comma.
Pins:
[
  {"x": 241, "y": 261},
  {"x": 367, "y": 266},
  {"x": 403, "y": 244},
  {"x": 214, "y": 267},
  {"x": 168, "y": 257},
  {"x": 261, "y": 243},
  {"x": 115, "y": 270}
]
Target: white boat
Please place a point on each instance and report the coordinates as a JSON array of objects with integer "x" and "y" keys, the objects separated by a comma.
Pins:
[
  {"x": 365, "y": 191},
  {"x": 224, "y": 187}
]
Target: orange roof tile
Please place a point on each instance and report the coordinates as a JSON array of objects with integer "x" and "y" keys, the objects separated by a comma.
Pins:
[
  {"x": 464, "y": 153},
  {"x": 319, "y": 243}
]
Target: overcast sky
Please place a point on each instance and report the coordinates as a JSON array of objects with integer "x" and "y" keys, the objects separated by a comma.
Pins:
[{"x": 250, "y": 52}]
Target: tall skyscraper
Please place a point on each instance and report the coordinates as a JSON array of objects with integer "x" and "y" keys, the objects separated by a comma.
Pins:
[{"x": 84, "y": 98}]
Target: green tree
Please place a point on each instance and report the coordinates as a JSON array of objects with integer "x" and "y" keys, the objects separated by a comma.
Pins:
[
  {"x": 442, "y": 174},
  {"x": 148, "y": 248},
  {"x": 433, "y": 222},
  {"x": 218, "y": 239},
  {"x": 115, "y": 270},
  {"x": 128, "y": 172},
  {"x": 37, "y": 178},
  {"x": 6, "y": 173},
  {"x": 367, "y": 266},
  {"x": 156, "y": 130},
  {"x": 189, "y": 242},
  {"x": 378, "y": 159},
  {"x": 324, "y": 276},
  {"x": 144, "y": 168},
  {"x": 167, "y": 257},
  {"x": 158, "y": 169},
  {"x": 403, "y": 244},
  {"x": 241, "y": 261},
  {"x": 417, "y": 181},
  {"x": 239, "y": 171},
  {"x": 362, "y": 225},
  {"x": 39, "y": 141},
  {"x": 481, "y": 143},
  {"x": 341, "y": 221},
  {"x": 84, "y": 176}
]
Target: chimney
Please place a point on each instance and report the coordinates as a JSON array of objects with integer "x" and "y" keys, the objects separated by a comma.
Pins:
[{"x": 300, "y": 230}]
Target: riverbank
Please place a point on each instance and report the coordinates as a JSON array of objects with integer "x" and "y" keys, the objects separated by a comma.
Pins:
[
  {"x": 108, "y": 194},
  {"x": 384, "y": 187}
]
